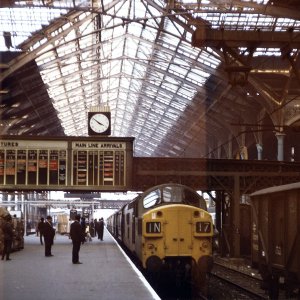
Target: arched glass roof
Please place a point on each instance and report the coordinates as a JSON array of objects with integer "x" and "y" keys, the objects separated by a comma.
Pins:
[{"x": 137, "y": 58}]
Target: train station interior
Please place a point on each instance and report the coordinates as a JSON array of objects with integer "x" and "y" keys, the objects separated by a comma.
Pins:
[{"x": 101, "y": 100}]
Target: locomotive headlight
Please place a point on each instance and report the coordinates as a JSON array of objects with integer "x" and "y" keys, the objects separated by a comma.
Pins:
[
  {"x": 150, "y": 247},
  {"x": 204, "y": 247},
  {"x": 159, "y": 214},
  {"x": 205, "y": 244},
  {"x": 196, "y": 214}
]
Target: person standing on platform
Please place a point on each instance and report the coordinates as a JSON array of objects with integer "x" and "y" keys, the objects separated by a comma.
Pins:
[
  {"x": 96, "y": 228},
  {"x": 77, "y": 237},
  {"x": 40, "y": 228},
  {"x": 92, "y": 228},
  {"x": 83, "y": 228},
  {"x": 101, "y": 229},
  {"x": 8, "y": 233},
  {"x": 49, "y": 233}
]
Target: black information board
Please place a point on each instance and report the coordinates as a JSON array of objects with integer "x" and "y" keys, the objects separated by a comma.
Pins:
[
  {"x": 100, "y": 164},
  {"x": 69, "y": 163}
]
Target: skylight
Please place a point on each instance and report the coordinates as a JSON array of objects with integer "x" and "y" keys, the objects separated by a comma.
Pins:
[{"x": 134, "y": 56}]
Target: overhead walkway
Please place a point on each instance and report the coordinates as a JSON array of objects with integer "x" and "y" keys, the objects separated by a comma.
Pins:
[{"x": 105, "y": 273}]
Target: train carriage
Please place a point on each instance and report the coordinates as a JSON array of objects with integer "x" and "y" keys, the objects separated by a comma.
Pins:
[{"x": 276, "y": 237}]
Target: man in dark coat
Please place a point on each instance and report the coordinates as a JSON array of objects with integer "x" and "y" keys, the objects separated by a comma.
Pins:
[
  {"x": 92, "y": 228},
  {"x": 49, "y": 233},
  {"x": 96, "y": 228},
  {"x": 77, "y": 237},
  {"x": 8, "y": 233},
  {"x": 41, "y": 225},
  {"x": 101, "y": 229},
  {"x": 83, "y": 228}
]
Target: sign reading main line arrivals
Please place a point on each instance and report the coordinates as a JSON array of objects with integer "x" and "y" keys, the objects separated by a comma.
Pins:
[{"x": 65, "y": 163}]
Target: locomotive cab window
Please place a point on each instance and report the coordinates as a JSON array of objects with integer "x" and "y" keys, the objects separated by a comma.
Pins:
[
  {"x": 153, "y": 198},
  {"x": 177, "y": 194},
  {"x": 172, "y": 194},
  {"x": 191, "y": 198}
]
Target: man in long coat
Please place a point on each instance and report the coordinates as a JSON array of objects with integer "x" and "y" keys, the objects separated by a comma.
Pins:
[
  {"x": 41, "y": 229},
  {"x": 100, "y": 229},
  {"x": 49, "y": 233},
  {"x": 77, "y": 237}
]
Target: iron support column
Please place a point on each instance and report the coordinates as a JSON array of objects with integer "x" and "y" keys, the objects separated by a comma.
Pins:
[
  {"x": 259, "y": 151},
  {"x": 236, "y": 217},
  {"x": 280, "y": 139}
]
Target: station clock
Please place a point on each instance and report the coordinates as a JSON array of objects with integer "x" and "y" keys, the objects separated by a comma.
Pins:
[{"x": 99, "y": 123}]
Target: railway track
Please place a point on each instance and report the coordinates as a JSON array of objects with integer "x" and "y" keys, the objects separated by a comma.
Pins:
[{"x": 245, "y": 283}]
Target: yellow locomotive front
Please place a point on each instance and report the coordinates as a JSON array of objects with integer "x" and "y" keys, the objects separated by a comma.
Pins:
[
  {"x": 177, "y": 238},
  {"x": 168, "y": 229}
]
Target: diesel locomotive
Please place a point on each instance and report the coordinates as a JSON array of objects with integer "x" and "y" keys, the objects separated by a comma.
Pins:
[{"x": 168, "y": 229}]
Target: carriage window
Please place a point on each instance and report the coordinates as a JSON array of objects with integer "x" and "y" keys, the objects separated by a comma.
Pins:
[{"x": 153, "y": 198}]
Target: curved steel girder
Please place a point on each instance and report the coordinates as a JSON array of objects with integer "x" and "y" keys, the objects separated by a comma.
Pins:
[
  {"x": 258, "y": 85},
  {"x": 26, "y": 57},
  {"x": 274, "y": 102},
  {"x": 271, "y": 102},
  {"x": 276, "y": 8}
]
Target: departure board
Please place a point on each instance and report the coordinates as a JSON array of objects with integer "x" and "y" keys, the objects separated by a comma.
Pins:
[{"x": 69, "y": 163}]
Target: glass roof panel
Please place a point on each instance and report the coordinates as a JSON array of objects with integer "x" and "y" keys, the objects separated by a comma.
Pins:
[
  {"x": 21, "y": 22},
  {"x": 135, "y": 56}
]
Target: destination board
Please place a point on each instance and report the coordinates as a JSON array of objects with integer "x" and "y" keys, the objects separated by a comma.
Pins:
[{"x": 69, "y": 163}]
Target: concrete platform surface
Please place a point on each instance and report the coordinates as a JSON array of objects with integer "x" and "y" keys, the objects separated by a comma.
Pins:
[{"x": 105, "y": 273}]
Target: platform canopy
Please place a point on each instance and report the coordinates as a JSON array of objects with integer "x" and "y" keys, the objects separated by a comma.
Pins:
[{"x": 194, "y": 78}]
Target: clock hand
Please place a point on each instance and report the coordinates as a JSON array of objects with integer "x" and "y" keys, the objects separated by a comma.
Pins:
[{"x": 99, "y": 122}]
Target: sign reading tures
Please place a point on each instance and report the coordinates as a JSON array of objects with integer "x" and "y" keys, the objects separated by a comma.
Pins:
[{"x": 65, "y": 163}]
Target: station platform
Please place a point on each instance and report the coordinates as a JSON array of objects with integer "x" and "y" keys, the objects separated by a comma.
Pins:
[{"x": 105, "y": 273}]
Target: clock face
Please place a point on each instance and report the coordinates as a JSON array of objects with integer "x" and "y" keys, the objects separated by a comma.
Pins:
[{"x": 99, "y": 123}]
